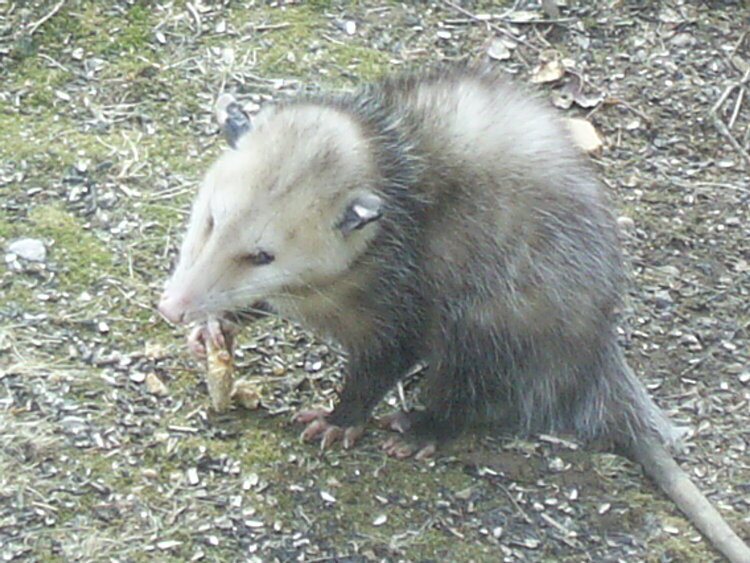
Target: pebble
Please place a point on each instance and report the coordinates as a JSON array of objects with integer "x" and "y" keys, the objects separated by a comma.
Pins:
[
  {"x": 30, "y": 249},
  {"x": 626, "y": 224},
  {"x": 192, "y": 476}
]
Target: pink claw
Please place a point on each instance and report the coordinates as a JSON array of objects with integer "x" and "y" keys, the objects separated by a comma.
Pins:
[
  {"x": 310, "y": 414},
  {"x": 331, "y": 433},
  {"x": 316, "y": 427},
  {"x": 400, "y": 449},
  {"x": 211, "y": 329},
  {"x": 352, "y": 434}
]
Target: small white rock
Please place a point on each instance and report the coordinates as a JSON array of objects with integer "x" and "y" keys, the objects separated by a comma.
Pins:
[
  {"x": 30, "y": 249},
  {"x": 168, "y": 544},
  {"x": 380, "y": 520},
  {"x": 328, "y": 497},
  {"x": 137, "y": 377},
  {"x": 251, "y": 481},
  {"x": 192, "y": 476},
  {"x": 626, "y": 224},
  {"x": 498, "y": 50}
]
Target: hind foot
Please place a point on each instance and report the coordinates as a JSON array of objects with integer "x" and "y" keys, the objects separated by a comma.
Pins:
[
  {"x": 318, "y": 425},
  {"x": 402, "y": 447},
  {"x": 398, "y": 421}
]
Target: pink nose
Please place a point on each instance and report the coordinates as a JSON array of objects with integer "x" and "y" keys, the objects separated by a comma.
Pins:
[{"x": 172, "y": 307}]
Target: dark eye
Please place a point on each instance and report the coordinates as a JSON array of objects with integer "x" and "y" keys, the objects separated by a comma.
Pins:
[{"x": 259, "y": 258}]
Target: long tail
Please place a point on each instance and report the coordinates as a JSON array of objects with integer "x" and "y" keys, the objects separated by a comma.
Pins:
[{"x": 662, "y": 468}]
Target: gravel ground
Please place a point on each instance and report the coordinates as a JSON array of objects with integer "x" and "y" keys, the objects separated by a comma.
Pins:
[{"x": 108, "y": 448}]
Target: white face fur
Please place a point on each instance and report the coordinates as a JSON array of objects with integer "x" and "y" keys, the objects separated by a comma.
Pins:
[{"x": 288, "y": 210}]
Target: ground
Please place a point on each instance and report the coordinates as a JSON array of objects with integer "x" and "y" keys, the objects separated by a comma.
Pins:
[{"x": 109, "y": 450}]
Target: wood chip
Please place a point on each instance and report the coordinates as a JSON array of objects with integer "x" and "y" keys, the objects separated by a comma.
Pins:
[
  {"x": 219, "y": 376},
  {"x": 246, "y": 394},
  {"x": 155, "y": 385}
]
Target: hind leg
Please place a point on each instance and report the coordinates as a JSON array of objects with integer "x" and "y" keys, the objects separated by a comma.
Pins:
[
  {"x": 462, "y": 385},
  {"x": 447, "y": 414}
]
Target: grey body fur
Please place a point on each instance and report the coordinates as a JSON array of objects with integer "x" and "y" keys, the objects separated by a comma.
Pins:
[
  {"x": 497, "y": 261},
  {"x": 493, "y": 257}
]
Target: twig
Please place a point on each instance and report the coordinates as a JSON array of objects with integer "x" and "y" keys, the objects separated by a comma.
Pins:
[
  {"x": 720, "y": 125},
  {"x": 739, "y": 43},
  {"x": 723, "y": 97},
  {"x": 496, "y": 28},
  {"x": 196, "y": 16},
  {"x": 51, "y": 13},
  {"x": 520, "y": 510},
  {"x": 737, "y": 106},
  {"x": 566, "y": 533},
  {"x": 626, "y": 105},
  {"x": 270, "y": 26}
]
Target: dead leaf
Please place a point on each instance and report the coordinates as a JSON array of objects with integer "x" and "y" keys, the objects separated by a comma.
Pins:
[
  {"x": 584, "y": 134},
  {"x": 549, "y": 69},
  {"x": 155, "y": 385},
  {"x": 498, "y": 50},
  {"x": 246, "y": 394}
]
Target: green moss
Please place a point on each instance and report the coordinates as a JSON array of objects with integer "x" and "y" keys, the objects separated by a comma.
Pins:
[
  {"x": 357, "y": 60},
  {"x": 286, "y": 51},
  {"x": 304, "y": 46},
  {"x": 82, "y": 258},
  {"x": 81, "y": 23},
  {"x": 7, "y": 227}
]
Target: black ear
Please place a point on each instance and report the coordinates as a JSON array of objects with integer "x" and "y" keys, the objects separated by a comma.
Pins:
[
  {"x": 361, "y": 211},
  {"x": 234, "y": 122}
]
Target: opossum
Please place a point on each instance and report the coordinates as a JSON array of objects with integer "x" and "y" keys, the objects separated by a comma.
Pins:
[{"x": 443, "y": 218}]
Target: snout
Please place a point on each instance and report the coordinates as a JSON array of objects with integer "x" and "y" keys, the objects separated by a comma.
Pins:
[{"x": 173, "y": 306}]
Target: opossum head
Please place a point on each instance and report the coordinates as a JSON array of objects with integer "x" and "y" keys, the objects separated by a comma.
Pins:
[{"x": 285, "y": 212}]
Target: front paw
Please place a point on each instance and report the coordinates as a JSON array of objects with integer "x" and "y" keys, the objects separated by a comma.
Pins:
[
  {"x": 220, "y": 334},
  {"x": 318, "y": 424}
]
